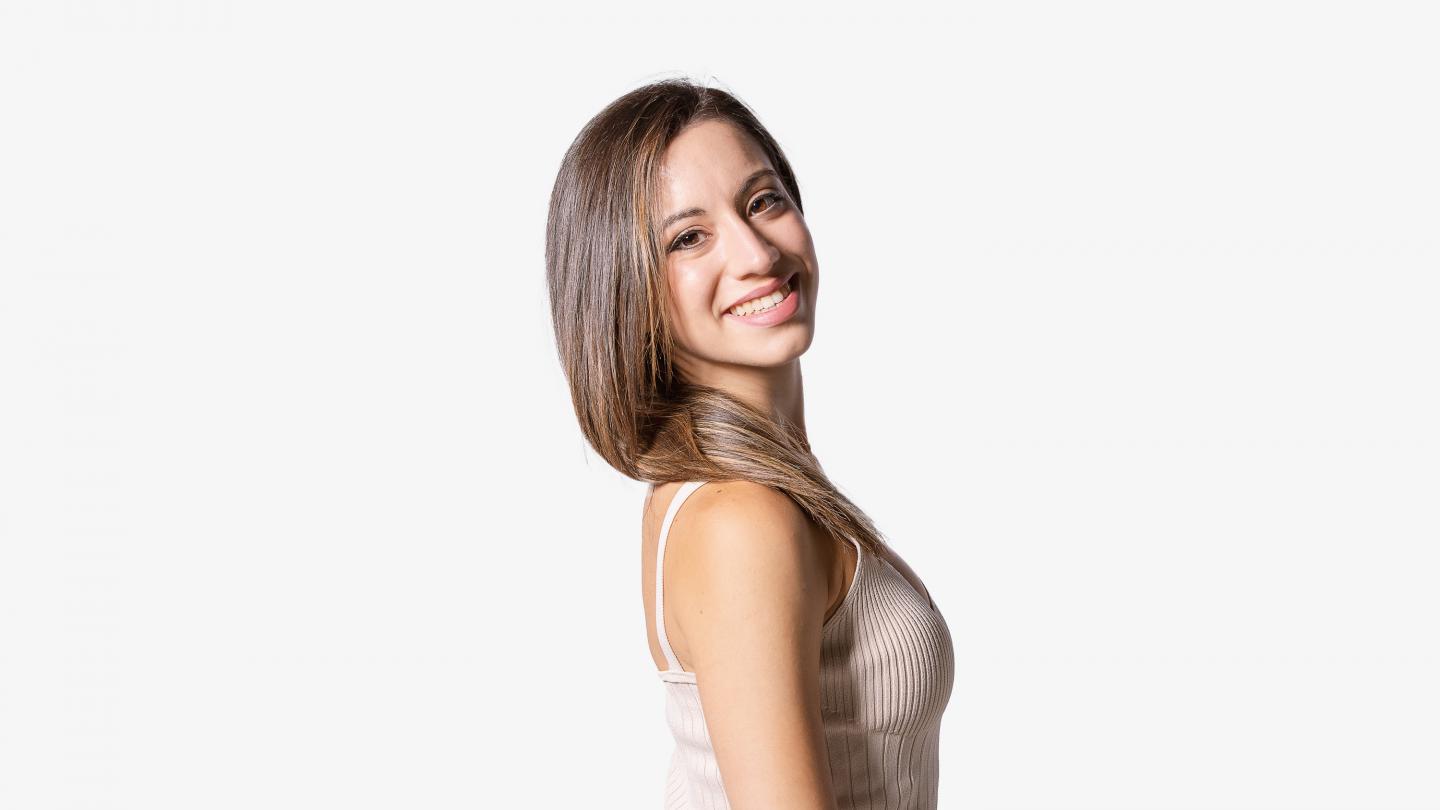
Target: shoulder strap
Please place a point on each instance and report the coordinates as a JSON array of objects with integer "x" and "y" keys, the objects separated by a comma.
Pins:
[{"x": 679, "y": 498}]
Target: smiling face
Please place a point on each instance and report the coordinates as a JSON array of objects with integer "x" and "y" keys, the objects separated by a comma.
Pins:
[{"x": 730, "y": 232}]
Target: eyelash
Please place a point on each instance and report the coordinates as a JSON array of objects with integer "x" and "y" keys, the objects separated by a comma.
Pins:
[{"x": 778, "y": 200}]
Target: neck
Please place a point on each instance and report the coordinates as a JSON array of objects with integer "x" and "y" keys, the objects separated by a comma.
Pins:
[{"x": 776, "y": 390}]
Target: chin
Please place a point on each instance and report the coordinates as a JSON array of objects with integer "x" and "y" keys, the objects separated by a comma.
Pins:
[{"x": 780, "y": 355}]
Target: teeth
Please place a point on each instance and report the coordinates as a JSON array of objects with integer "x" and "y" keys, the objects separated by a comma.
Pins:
[{"x": 762, "y": 303}]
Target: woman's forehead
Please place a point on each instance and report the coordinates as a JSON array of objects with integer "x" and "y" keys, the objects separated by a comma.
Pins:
[{"x": 710, "y": 154}]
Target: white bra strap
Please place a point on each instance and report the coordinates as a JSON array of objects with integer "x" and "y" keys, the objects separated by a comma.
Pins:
[{"x": 680, "y": 496}]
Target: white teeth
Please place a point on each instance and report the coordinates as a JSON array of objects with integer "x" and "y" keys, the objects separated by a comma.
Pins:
[{"x": 762, "y": 303}]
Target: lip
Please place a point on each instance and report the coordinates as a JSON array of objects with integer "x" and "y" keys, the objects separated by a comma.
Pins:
[
  {"x": 776, "y": 315},
  {"x": 762, "y": 290}
]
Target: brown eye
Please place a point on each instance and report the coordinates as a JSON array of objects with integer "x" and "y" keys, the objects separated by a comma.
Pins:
[
  {"x": 775, "y": 201},
  {"x": 679, "y": 243},
  {"x": 769, "y": 195}
]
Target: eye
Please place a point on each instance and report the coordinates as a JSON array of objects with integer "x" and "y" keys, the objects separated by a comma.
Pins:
[
  {"x": 678, "y": 244},
  {"x": 776, "y": 201}
]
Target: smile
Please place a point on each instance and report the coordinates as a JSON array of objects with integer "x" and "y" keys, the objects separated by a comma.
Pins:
[
  {"x": 762, "y": 303},
  {"x": 768, "y": 310}
]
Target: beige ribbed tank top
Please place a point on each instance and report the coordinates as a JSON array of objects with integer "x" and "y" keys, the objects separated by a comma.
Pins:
[{"x": 886, "y": 670}]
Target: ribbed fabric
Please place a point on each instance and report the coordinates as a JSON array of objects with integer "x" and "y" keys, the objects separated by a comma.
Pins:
[{"x": 886, "y": 670}]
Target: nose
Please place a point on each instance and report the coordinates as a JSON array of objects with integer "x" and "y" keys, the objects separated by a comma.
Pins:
[{"x": 752, "y": 253}]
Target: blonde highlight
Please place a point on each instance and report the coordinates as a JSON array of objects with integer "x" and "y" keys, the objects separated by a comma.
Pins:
[{"x": 608, "y": 292}]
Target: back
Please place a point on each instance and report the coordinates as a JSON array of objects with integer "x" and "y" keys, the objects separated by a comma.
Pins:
[{"x": 873, "y": 681}]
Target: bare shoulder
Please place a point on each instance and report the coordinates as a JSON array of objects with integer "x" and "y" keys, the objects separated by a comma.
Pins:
[
  {"x": 744, "y": 535},
  {"x": 750, "y": 590},
  {"x": 718, "y": 505},
  {"x": 743, "y": 551}
]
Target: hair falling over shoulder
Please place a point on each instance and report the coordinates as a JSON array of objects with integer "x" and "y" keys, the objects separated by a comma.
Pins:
[{"x": 606, "y": 283}]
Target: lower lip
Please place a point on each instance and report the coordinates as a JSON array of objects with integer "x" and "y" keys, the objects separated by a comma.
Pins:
[{"x": 779, "y": 313}]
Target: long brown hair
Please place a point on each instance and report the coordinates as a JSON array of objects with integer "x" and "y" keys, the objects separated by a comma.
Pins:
[{"x": 605, "y": 271}]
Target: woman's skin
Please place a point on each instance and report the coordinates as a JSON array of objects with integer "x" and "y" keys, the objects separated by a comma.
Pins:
[
  {"x": 750, "y": 579},
  {"x": 724, "y": 254}
]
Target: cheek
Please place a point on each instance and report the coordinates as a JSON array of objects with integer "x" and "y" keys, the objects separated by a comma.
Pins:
[
  {"x": 689, "y": 293},
  {"x": 795, "y": 239},
  {"x": 685, "y": 305}
]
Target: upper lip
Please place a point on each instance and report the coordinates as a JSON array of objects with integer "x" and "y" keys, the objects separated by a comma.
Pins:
[{"x": 762, "y": 290}]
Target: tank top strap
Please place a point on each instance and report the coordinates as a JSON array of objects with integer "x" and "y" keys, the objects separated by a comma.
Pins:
[{"x": 679, "y": 498}]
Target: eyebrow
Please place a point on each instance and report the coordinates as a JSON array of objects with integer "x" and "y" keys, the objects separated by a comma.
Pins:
[{"x": 739, "y": 199}]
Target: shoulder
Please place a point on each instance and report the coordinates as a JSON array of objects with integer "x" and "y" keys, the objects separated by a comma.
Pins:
[
  {"x": 742, "y": 521},
  {"x": 742, "y": 500},
  {"x": 750, "y": 594},
  {"x": 748, "y": 546}
]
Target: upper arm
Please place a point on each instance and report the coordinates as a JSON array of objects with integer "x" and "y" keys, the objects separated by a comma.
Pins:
[{"x": 750, "y": 592}]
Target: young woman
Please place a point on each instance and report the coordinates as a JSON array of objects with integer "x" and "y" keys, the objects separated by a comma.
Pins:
[{"x": 805, "y": 664}]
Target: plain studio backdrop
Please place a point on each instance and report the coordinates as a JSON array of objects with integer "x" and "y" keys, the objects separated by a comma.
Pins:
[{"x": 1127, "y": 339}]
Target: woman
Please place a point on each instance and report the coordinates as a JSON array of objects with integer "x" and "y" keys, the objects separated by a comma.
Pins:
[{"x": 805, "y": 664}]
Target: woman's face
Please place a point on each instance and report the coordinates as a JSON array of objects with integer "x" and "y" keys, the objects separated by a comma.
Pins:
[{"x": 731, "y": 233}]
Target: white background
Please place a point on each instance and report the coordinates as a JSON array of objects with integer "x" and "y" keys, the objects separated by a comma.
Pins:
[{"x": 1127, "y": 340}]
